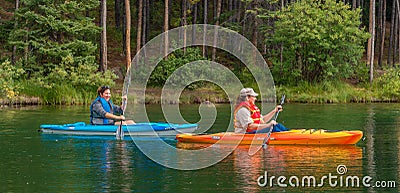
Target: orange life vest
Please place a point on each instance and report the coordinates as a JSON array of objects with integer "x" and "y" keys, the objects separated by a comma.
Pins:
[{"x": 255, "y": 113}]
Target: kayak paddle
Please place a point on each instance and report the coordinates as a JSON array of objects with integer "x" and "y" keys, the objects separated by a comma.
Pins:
[
  {"x": 119, "y": 134},
  {"x": 272, "y": 127}
]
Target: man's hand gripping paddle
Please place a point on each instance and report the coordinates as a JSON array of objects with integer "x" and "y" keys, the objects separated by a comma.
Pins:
[{"x": 254, "y": 147}]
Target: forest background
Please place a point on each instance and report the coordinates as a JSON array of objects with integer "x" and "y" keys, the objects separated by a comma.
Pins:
[{"x": 59, "y": 52}]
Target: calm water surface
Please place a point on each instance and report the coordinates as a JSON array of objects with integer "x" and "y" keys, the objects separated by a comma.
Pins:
[{"x": 35, "y": 162}]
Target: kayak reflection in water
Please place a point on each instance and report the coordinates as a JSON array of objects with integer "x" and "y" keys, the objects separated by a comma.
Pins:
[
  {"x": 104, "y": 112},
  {"x": 248, "y": 118}
]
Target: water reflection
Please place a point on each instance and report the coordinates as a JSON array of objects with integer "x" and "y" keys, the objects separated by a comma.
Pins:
[
  {"x": 117, "y": 160},
  {"x": 107, "y": 162},
  {"x": 370, "y": 143},
  {"x": 58, "y": 163},
  {"x": 289, "y": 161}
]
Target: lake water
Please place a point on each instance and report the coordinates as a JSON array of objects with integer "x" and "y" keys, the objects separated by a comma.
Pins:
[{"x": 35, "y": 162}]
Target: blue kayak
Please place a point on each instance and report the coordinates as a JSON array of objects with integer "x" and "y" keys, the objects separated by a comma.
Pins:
[{"x": 81, "y": 128}]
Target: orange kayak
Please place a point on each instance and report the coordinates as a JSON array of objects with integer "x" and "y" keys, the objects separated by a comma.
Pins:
[{"x": 291, "y": 137}]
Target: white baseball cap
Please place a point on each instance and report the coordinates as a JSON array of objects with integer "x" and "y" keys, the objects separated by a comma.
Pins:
[{"x": 248, "y": 92}]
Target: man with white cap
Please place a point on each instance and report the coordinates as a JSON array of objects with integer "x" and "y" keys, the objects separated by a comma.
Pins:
[{"x": 248, "y": 118}]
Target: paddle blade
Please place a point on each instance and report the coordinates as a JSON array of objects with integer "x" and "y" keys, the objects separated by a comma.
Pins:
[
  {"x": 119, "y": 134},
  {"x": 255, "y": 145}
]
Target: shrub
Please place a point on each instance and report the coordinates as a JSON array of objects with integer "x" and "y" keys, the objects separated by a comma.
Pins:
[
  {"x": 321, "y": 40},
  {"x": 388, "y": 85},
  {"x": 9, "y": 77}
]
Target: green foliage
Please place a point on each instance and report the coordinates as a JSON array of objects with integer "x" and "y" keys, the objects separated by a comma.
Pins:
[
  {"x": 57, "y": 94},
  {"x": 84, "y": 75},
  {"x": 323, "y": 92},
  {"x": 49, "y": 31},
  {"x": 247, "y": 78},
  {"x": 5, "y": 28},
  {"x": 69, "y": 84},
  {"x": 175, "y": 60},
  {"x": 388, "y": 85},
  {"x": 9, "y": 77},
  {"x": 56, "y": 46},
  {"x": 321, "y": 41},
  {"x": 361, "y": 74}
]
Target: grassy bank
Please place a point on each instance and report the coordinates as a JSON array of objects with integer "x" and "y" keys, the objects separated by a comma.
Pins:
[
  {"x": 328, "y": 92},
  {"x": 338, "y": 92}
]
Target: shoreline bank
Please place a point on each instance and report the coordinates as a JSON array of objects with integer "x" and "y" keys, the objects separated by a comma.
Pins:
[{"x": 153, "y": 96}]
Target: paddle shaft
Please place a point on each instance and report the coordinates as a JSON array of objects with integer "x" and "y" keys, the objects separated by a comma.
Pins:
[
  {"x": 119, "y": 134},
  {"x": 272, "y": 127}
]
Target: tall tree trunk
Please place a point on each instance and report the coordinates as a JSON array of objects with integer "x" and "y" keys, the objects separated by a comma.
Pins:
[
  {"x": 234, "y": 11},
  {"x": 244, "y": 25},
  {"x": 239, "y": 2},
  {"x": 214, "y": 52},
  {"x": 383, "y": 31},
  {"x": 166, "y": 21},
  {"x": 184, "y": 8},
  {"x": 124, "y": 28},
  {"x": 103, "y": 44},
  {"x": 396, "y": 37},
  {"x": 230, "y": 8},
  {"x": 372, "y": 39},
  {"x": 378, "y": 32},
  {"x": 145, "y": 7},
  {"x": 255, "y": 29},
  {"x": 139, "y": 26},
  {"x": 147, "y": 19},
  {"x": 370, "y": 31},
  {"x": 391, "y": 40},
  {"x": 398, "y": 29},
  {"x": 215, "y": 9},
  {"x": 194, "y": 22},
  {"x": 14, "y": 50},
  {"x": 205, "y": 7},
  {"x": 128, "y": 34},
  {"x": 117, "y": 4}
]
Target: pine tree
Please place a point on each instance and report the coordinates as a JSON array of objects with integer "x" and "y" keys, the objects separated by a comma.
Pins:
[{"x": 50, "y": 32}]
